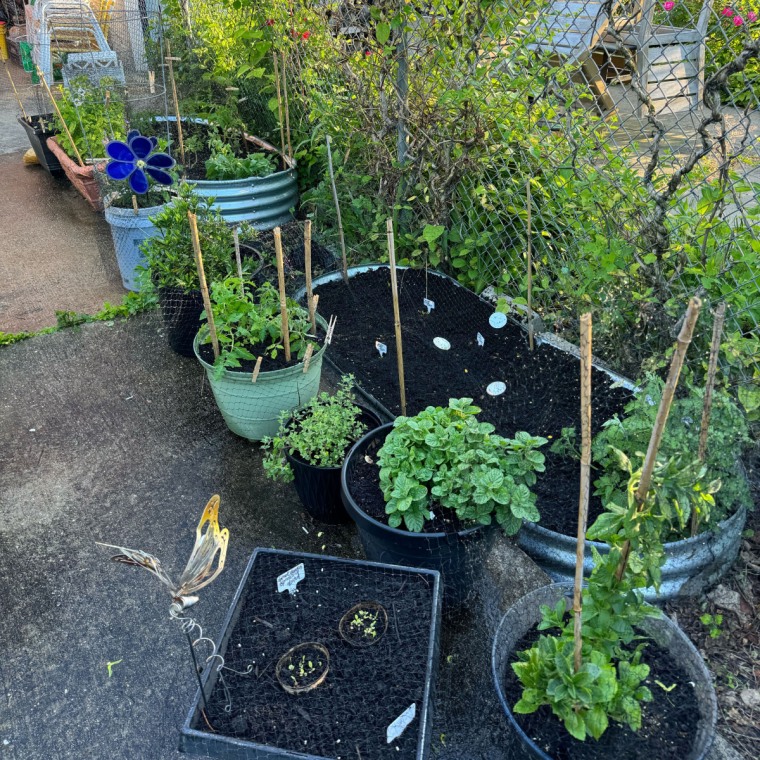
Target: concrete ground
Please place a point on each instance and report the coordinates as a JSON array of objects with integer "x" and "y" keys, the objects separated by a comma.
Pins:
[
  {"x": 56, "y": 253},
  {"x": 112, "y": 437}
]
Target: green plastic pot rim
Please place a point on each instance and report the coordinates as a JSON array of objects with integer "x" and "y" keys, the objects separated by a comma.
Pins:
[
  {"x": 395, "y": 531},
  {"x": 238, "y": 376}
]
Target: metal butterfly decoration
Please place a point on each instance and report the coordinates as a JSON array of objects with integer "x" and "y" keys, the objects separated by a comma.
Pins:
[
  {"x": 136, "y": 161},
  {"x": 199, "y": 571}
]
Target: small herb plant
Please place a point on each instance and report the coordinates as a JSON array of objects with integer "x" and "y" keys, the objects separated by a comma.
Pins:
[
  {"x": 94, "y": 114},
  {"x": 169, "y": 254},
  {"x": 248, "y": 321},
  {"x": 224, "y": 165},
  {"x": 610, "y": 683},
  {"x": 319, "y": 432},
  {"x": 446, "y": 456}
]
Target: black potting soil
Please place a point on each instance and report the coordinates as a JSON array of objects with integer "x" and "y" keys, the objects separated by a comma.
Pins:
[
  {"x": 542, "y": 386},
  {"x": 669, "y": 721},
  {"x": 365, "y": 690}
]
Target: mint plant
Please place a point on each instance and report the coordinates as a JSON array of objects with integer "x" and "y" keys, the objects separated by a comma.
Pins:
[
  {"x": 446, "y": 456},
  {"x": 319, "y": 432},
  {"x": 610, "y": 683},
  {"x": 248, "y": 322}
]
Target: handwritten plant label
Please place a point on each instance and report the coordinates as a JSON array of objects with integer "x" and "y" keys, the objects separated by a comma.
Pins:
[
  {"x": 382, "y": 349},
  {"x": 497, "y": 320},
  {"x": 428, "y": 304},
  {"x": 481, "y": 340},
  {"x": 441, "y": 343},
  {"x": 290, "y": 579},
  {"x": 496, "y": 388},
  {"x": 401, "y": 723}
]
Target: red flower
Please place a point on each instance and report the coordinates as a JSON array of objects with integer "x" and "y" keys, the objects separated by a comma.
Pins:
[
  {"x": 306, "y": 35},
  {"x": 367, "y": 53},
  {"x": 270, "y": 22}
]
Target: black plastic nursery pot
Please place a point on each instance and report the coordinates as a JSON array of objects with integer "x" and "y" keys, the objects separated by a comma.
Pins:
[
  {"x": 318, "y": 488},
  {"x": 38, "y": 136},
  {"x": 673, "y": 704},
  {"x": 458, "y": 556},
  {"x": 181, "y": 311},
  {"x": 377, "y": 699}
]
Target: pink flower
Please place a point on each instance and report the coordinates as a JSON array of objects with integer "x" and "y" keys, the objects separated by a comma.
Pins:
[
  {"x": 367, "y": 53},
  {"x": 738, "y": 20},
  {"x": 752, "y": 16},
  {"x": 306, "y": 35},
  {"x": 669, "y": 5},
  {"x": 727, "y": 12},
  {"x": 270, "y": 22}
]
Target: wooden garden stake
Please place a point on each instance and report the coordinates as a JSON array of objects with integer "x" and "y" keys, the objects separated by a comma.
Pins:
[
  {"x": 530, "y": 273},
  {"x": 170, "y": 62},
  {"x": 134, "y": 204},
  {"x": 60, "y": 115},
  {"x": 286, "y": 106},
  {"x": 238, "y": 259},
  {"x": 279, "y": 106},
  {"x": 307, "y": 266},
  {"x": 720, "y": 315},
  {"x": 585, "y": 479},
  {"x": 152, "y": 82},
  {"x": 15, "y": 91},
  {"x": 202, "y": 279},
  {"x": 676, "y": 363},
  {"x": 256, "y": 370},
  {"x": 396, "y": 316},
  {"x": 283, "y": 300},
  {"x": 337, "y": 212},
  {"x": 307, "y": 357}
]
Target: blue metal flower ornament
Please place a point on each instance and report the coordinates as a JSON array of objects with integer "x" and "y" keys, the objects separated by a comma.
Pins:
[{"x": 134, "y": 159}]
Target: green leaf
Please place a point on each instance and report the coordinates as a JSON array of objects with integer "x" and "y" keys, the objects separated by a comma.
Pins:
[
  {"x": 596, "y": 721},
  {"x": 383, "y": 32}
]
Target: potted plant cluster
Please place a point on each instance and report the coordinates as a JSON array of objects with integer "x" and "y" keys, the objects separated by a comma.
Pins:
[
  {"x": 39, "y": 128},
  {"x": 699, "y": 550},
  {"x": 311, "y": 445},
  {"x": 424, "y": 489},
  {"x": 93, "y": 115},
  {"x": 249, "y": 326},
  {"x": 170, "y": 259}
]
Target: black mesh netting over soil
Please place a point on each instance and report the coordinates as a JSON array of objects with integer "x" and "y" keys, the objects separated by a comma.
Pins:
[
  {"x": 542, "y": 386},
  {"x": 366, "y": 688}
]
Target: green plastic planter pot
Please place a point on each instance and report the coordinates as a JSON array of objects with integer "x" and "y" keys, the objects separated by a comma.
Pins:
[{"x": 251, "y": 410}]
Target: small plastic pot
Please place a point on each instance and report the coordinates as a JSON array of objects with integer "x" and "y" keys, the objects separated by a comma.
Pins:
[
  {"x": 38, "y": 140},
  {"x": 458, "y": 556},
  {"x": 318, "y": 488}
]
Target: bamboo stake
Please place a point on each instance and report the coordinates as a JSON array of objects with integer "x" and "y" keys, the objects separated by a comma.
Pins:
[
  {"x": 530, "y": 273},
  {"x": 720, "y": 315},
  {"x": 287, "y": 107},
  {"x": 682, "y": 343},
  {"x": 337, "y": 212},
  {"x": 585, "y": 480},
  {"x": 202, "y": 279},
  {"x": 307, "y": 357},
  {"x": 396, "y": 316},
  {"x": 15, "y": 91},
  {"x": 283, "y": 300},
  {"x": 307, "y": 266},
  {"x": 256, "y": 370},
  {"x": 279, "y": 107},
  {"x": 175, "y": 98},
  {"x": 238, "y": 259},
  {"x": 134, "y": 205},
  {"x": 60, "y": 115}
]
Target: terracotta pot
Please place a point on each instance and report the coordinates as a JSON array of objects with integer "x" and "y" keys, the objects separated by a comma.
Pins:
[{"x": 82, "y": 177}]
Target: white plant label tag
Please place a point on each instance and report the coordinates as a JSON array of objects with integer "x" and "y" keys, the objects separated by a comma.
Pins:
[
  {"x": 496, "y": 388},
  {"x": 401, "y": 723},
  {"x": 428, "y": 304},
  {"x": 497, "y": 320},
  {"x": 441, "y": 343},
  {"x": 481, "y": 340},
  {"x": 382, "y": 349},
  {"x": 290, "y": 579}
]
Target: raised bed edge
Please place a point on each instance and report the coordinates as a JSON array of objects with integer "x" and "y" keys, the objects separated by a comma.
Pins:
[{"x": 196, "y": 742}]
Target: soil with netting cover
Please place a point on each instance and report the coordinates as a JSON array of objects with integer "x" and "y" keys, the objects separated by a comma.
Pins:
[
  {"x": 542, "y": 386},
  {"x": 669, "y": 721},
  {"x": 366, "y": 689}
]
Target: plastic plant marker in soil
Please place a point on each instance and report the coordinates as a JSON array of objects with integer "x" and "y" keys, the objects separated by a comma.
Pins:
[
  {"x": 364, "y": 624},
  {"x": 366, "y": 689}
]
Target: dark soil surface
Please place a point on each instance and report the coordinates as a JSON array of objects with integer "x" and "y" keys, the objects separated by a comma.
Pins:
[
  {"x": 543, "y": 386},
  {"x": 668, "y": 726},
  {"x": 366, "y": 689}
]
